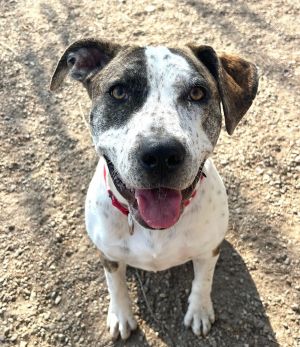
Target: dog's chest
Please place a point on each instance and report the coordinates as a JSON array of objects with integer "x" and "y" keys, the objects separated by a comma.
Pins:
[
  {"x": 200, "y": 229},
  {"x": 155, "y": 250}
]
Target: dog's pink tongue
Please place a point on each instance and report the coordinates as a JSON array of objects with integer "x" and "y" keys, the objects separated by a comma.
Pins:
[{"x": 159, "y": 208}]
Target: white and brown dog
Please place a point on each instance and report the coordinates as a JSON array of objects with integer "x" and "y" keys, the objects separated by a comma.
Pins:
[{"x": 156, "y": 199}]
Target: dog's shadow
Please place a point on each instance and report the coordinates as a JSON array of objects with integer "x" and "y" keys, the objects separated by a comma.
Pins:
[{"x": 162, "y": 301}]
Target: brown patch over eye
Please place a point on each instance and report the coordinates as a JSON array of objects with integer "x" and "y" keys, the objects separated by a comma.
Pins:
[
  {"x": 196, "y": 94},
  {"x": 119, "y": 93}
]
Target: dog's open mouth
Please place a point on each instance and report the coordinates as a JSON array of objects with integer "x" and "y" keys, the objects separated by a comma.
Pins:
[{"x": 158, "y": 208}]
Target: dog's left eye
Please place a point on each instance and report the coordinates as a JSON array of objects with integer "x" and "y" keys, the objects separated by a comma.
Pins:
[
  {"x": 197, "y": 94},
  {"x": 119, "y": 93}
]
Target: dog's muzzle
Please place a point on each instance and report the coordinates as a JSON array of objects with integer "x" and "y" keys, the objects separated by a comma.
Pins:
[
  {"x": 160, "y": 160},
  {"x": 159, "y": 207}
]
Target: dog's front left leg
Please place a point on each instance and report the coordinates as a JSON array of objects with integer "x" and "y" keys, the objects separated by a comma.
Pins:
[
  {"x": 200, "y": 314},
  {"x": 120, "y": 319}
]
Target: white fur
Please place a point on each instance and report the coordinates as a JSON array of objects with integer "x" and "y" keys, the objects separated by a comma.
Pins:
[
  {"x": 201, "y": 227},
  {"x": 159, "y": 112},
  {"x": 120, "y": 318},
  {"x": 199, "y": 231}
]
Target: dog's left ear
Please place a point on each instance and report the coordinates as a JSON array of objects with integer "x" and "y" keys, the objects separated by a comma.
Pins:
[
  {"x": 82, "y": 60},
  {"x": 237, "y": 81}
]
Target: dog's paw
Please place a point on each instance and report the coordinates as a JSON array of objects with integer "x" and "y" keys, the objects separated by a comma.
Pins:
[
  {"x": 200, "y": 316},
  {"x": 120, "y": 322}
]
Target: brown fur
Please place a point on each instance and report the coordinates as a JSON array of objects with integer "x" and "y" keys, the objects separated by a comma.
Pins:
[
  {"x": 110, "y": 266},
  {"x": 216, "y": 251},
  {"x": 105, "y": 50},
  {"x": 237, "y": 81}
]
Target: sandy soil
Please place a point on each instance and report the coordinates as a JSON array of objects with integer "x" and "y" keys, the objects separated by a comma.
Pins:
[{"x": 52, "y": 288}]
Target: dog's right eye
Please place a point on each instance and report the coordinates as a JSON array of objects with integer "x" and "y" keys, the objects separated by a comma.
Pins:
[
  {"x": 119, "y": 93},
  {"x": 197, "y": 94}
]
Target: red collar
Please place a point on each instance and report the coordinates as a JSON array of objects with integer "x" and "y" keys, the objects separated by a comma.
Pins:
[
  {"x": 115, "y": 202},
  {"x": 123, "y": 209}
]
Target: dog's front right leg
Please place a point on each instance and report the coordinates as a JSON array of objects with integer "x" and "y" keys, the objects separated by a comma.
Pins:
[{"x": 120, "y": 319}]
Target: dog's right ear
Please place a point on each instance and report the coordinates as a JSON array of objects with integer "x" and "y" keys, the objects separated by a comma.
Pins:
[{"x": 82, "y": 60}]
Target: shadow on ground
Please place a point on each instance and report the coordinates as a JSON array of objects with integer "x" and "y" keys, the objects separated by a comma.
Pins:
[
  {"x": 162, "y": 298},
  {"x": 240, "y": 315}
]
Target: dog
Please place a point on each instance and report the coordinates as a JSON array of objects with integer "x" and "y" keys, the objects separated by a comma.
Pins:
[{"x": 156, "y": 199}]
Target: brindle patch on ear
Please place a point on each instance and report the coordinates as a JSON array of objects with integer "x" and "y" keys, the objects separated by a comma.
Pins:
[
  {"x": 110, "y": 266},
  {"x": 240, "y": 83},
  {"x": 82, "y": 60},
  {"x": 237, "y": 81}
]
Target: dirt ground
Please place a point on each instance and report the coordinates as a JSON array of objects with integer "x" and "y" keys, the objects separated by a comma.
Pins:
[{"x": 52, "y": 287}]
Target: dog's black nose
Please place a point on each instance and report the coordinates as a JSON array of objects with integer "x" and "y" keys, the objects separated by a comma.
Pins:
[{"x": 161, "y": 156}]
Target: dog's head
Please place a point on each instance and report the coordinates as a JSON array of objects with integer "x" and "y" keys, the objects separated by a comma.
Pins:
[{"x": 156, "y": 116}]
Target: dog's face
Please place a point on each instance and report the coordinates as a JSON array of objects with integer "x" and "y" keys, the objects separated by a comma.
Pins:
[{"x": 156, "y": 116}]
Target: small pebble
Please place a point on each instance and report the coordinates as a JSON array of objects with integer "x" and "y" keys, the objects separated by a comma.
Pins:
[{"x": 57, "y": 300}]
